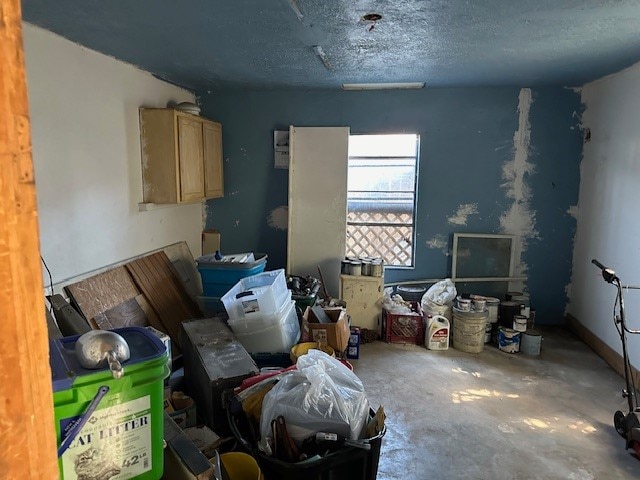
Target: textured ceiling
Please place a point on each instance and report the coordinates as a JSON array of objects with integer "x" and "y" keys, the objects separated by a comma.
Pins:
[{"x": 212, "y": 44}]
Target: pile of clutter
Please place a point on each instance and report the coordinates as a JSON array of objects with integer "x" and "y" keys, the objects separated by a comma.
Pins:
[
  {"x": 465, "y": 321},
  {"x": 306, "y": 412}
]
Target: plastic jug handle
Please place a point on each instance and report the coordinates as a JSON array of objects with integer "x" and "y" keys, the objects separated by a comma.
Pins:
[{"x": 102, "y": 391}]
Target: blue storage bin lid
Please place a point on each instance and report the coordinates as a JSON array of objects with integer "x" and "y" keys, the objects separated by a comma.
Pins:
[
  {"x": 143, "y": 345},
  {"x": 209, "y": 261}
]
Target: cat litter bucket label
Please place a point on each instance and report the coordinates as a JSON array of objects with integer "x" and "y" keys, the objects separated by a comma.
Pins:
[{"x": 115, "y": 444}]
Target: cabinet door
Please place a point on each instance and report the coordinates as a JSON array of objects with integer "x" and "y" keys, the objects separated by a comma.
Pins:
[
  {"x": 213, "y": 179},
  {"x": 191, "y": 159}
]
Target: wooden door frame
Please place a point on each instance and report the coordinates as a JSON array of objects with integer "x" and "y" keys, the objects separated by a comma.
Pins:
[{"x": 26, "y": 401}]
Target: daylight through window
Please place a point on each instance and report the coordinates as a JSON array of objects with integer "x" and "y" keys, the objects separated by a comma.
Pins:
[{"x": 381, "y": 199}]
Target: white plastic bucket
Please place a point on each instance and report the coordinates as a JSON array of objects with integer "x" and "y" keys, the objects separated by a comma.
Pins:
[
  {"x": 493, "y": 305},
  {"x": 469, "y": 330}
]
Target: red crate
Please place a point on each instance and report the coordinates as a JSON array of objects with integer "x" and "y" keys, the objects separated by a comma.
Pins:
[{"x": 404, "y": 327}]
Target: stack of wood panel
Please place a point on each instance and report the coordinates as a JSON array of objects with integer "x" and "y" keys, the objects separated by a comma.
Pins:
[{"x": 145, "y": 291}]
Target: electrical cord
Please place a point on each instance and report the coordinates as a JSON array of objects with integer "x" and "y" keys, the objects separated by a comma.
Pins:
[{"x": 50, "y": 280}]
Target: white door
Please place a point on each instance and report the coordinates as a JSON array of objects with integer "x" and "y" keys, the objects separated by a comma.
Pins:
[{"x": 317, "y": 202}]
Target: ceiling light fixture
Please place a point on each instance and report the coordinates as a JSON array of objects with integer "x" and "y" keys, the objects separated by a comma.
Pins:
[
  {"x": 372, "y": 17},
  {"x": 383, "y": 86},
  {"x": 323, "y": 57}
]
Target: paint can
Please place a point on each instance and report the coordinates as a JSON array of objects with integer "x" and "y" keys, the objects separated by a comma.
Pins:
[
  {"x": 377, "y": 268},
  {"x": 507, "y": 311},
  {"x": 344, "y": 267},
  {"x": 479, "y": 302},
  {"x": 520, "y": 323},
  {"x": 521, "y": 298},
  {"x": 355, "y": 268},
  {"x": 463, "y": 304},
  {"x": 509, "y": 295},
  {"x": 469, "y": 330},
  {"x": 437, "y": 337},
  {"x": 493, "y": 304},
  {"x": 508, "y": 340},
  {"x": 531, "y": 342},
  {"x": 531, "y": 323},
  {"x": 366, "y": 268},
  {"x": 488, "y": 330}
]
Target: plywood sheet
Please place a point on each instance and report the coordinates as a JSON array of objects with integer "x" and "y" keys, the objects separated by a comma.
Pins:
[
  {"x": 127, "y": 314},
  {"x": 102, "y": 292},
  {"x": 184, "y": 263},
  {"x": 158, "y": 280}
]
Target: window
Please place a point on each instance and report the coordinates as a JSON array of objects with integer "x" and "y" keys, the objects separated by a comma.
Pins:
[{"x": 381, "y": 197}]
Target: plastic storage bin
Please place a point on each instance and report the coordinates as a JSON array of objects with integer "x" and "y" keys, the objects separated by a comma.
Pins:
[
  {"x": 218, "y": 277},
  {"x": 210, "y": 306},
  {"x": 257, "y": 295},
  {"x": 124, "y": 434},
  {"x": 275, "y": 333}
]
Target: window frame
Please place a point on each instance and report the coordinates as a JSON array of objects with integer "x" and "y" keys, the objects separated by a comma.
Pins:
[{"x": 414, "y": 215}]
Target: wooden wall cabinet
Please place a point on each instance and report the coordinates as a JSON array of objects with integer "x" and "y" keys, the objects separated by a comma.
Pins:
[
  {"x": 363, "y": 296},
  {"x": 181, "y": 157}
]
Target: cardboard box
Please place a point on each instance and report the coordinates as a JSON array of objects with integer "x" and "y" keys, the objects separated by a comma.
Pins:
[
  {"x": 210, "y": 241},
  {"x": 334, "y": 334}
]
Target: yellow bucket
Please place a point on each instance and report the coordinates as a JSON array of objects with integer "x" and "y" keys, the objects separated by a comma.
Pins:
[
  {"x": 303, "y": 348},
  {"x": 241, "y": 466}
]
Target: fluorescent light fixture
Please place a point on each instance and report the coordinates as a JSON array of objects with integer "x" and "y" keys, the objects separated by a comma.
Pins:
[{"x": 383, "y": 86}]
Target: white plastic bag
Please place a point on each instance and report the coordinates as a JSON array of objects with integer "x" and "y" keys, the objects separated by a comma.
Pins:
[
  {"x": 322, "y": 395},
  {"x": 440, "y": 293},
  {"x": 394, "y": 303}
]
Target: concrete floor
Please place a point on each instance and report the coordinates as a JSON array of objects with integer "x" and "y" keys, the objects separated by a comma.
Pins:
[{"x": 495, "y": 415}]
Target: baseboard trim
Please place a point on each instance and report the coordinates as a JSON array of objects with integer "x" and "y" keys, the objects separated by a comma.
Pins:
[{"x": 608, "y": 354}]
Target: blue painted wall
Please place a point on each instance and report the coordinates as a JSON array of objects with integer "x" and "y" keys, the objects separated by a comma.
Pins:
[{"x": 466, "y": 137}]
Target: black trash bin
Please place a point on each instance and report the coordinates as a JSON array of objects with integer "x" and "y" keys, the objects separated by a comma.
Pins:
[{"x": 348, "y": 463}]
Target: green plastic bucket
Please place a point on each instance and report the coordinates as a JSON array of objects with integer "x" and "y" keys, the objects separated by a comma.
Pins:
[{"x": 123, "y": 438}]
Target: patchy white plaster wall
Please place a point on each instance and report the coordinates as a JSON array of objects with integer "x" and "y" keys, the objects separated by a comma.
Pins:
[
  {"x": 279, "y": 218},
  {"x": 461, "y": 215},
  {"x": 519, "y": 219},
  {"x": 86, "y": 152},
  {"x": 607, "y": 220}
]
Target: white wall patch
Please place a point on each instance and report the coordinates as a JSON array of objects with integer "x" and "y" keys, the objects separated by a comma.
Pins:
[
  {"x": 437, "y": 242},
  {"x": 519, "y": 219},
  {"x": 573, "y": 211},
  {"x": 463, "y": 212},
  {"x": 279, "y": 218}
]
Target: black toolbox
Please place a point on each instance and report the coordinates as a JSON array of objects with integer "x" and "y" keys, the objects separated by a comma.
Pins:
[{"x": 214, "y": 363}]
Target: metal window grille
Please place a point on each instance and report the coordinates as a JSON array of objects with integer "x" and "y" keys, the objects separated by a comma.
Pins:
[{"x": 381, "y": 204}]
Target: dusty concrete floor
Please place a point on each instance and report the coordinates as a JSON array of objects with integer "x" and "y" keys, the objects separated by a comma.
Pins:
[{"x": 495, "y": 415}]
